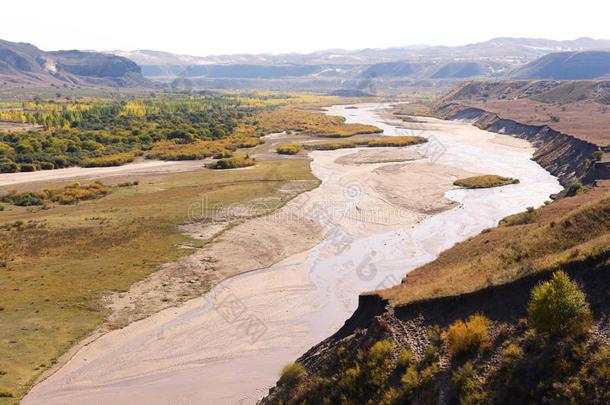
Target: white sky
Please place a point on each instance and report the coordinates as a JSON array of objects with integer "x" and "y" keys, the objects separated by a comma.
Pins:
[{"x": 230, "y": 26}]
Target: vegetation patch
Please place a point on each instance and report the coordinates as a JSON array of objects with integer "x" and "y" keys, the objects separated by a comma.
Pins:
[
  {"x": 473, "y": 361},
  {"x": 70, "y": 194},
  {"x": 487, "y": 181},
  {"x": 558, "y": 306},
  {"x": 231, "y": 163},
  {"x": 394, "y": 141},
  {"x": 109, "y": 160},
  {"x": 526, "y": 217},
  {"x": 289, "y": 149},
  {"x": 467, "y": 337},
  {"x": 314, "y": 123}
]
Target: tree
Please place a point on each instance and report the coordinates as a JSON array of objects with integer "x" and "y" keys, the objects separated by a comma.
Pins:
[{"x": 558, "y": 306}]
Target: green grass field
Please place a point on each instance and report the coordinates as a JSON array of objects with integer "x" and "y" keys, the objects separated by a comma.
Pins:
[{"x": 57, "y": 263}]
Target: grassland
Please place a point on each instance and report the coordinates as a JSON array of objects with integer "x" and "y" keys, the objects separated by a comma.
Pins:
[
  {"x": 56, "y": 270},
  {"x": 487, "y": 181}
]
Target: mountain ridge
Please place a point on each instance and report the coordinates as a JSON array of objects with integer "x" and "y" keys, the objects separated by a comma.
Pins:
[{"x": 24, "y": 63}]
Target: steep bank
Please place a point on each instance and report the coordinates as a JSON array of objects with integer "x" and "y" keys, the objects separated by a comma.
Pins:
[{"x": 564, "y": 156}]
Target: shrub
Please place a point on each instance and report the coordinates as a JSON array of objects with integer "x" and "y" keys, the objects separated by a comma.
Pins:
[
  {"x": 378, "y": 364},
  {"x": 467, "y": 337},
  {"x": 225, "y": 153},
  {"x": 108, "y": 160},
  {"x": 8, "y": 166},
  {"x": 405, "y": 359},
  {"x": 575, "y": 188},
  {"x": 231, "y": 163},
  {"x": 27, "y": 167},
  {"x": 61, "y": 161},
  {"x": 23, "y": 200},
  {"x": 409, "y": 381},
  {"x": 47, "y": 166},
  {"x": 526, "y": 217},
  {"x": 291, "y": 149},
  {"x": 597, "y": 155},
  {"x": 466, "y": 386},
  {"x": 512, "y": 353},
  {"x": 559, "y": 306},
  {"x": 292, "y": 375}
]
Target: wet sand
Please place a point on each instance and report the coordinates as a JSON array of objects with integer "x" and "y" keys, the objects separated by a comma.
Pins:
[{"x": 380, "y": 219}]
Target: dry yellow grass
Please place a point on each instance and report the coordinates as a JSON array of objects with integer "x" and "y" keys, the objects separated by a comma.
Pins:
[
  {"x": 315, "y": 123},
  {"x": 569, "y": 230}
]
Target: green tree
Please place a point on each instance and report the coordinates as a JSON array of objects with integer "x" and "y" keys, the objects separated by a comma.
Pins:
[{"x": 559, "y": 306}]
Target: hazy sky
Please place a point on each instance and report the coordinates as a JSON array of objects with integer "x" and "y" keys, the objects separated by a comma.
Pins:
[{"x": 229, "y": 26}]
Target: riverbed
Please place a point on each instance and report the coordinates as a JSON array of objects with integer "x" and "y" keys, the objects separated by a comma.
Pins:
[{"x": 384, "y": 217}]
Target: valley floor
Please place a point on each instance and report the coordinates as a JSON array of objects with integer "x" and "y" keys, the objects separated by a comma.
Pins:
[{"x": 375, "y": 216}]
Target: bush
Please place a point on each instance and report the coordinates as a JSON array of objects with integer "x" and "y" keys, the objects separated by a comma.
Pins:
[
  {"x": 467, "y": 337},
  {"x": 575, "y": 188},
  {"x": 109, "y": 160},
  {"x": 8, "y": 166},
  {"x": 27, "y": 167},
  {"x": 61, "y": 161},
  {"x": 405, "y": 359},
  {"x": 23, "y": 200},
  {"x": 231, "y": 163},
  {"x": 466, "y": 386},
  {"x": 292, "y": 375},
  {"x": 292, "y": 149},
  {"x": 47, "y": 166},
  {"x": 377, "y": 367},
  {"x": 409, "y": 381},
  {"x": 559, "y": 306},
  {"x": 526, "y": 217},
  {"x": 597, "y": 155}
]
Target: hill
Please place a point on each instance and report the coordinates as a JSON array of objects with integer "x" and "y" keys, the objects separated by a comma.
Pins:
[
  {"x": 575, "y": 107},
  {"x": 25, "y": 64},
  {"x": 583, "y": 65}
]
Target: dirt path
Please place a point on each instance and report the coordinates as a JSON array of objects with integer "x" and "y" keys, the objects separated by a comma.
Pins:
[{"x": 138, "y": 168}]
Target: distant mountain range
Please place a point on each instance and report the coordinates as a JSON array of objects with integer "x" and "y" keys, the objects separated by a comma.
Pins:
[
  {"x": 25, "y": 64},
  {"x": 386, "y": 68},
  {"x": 506, "y": 49},
  {"x": 367, "y": 70}
]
